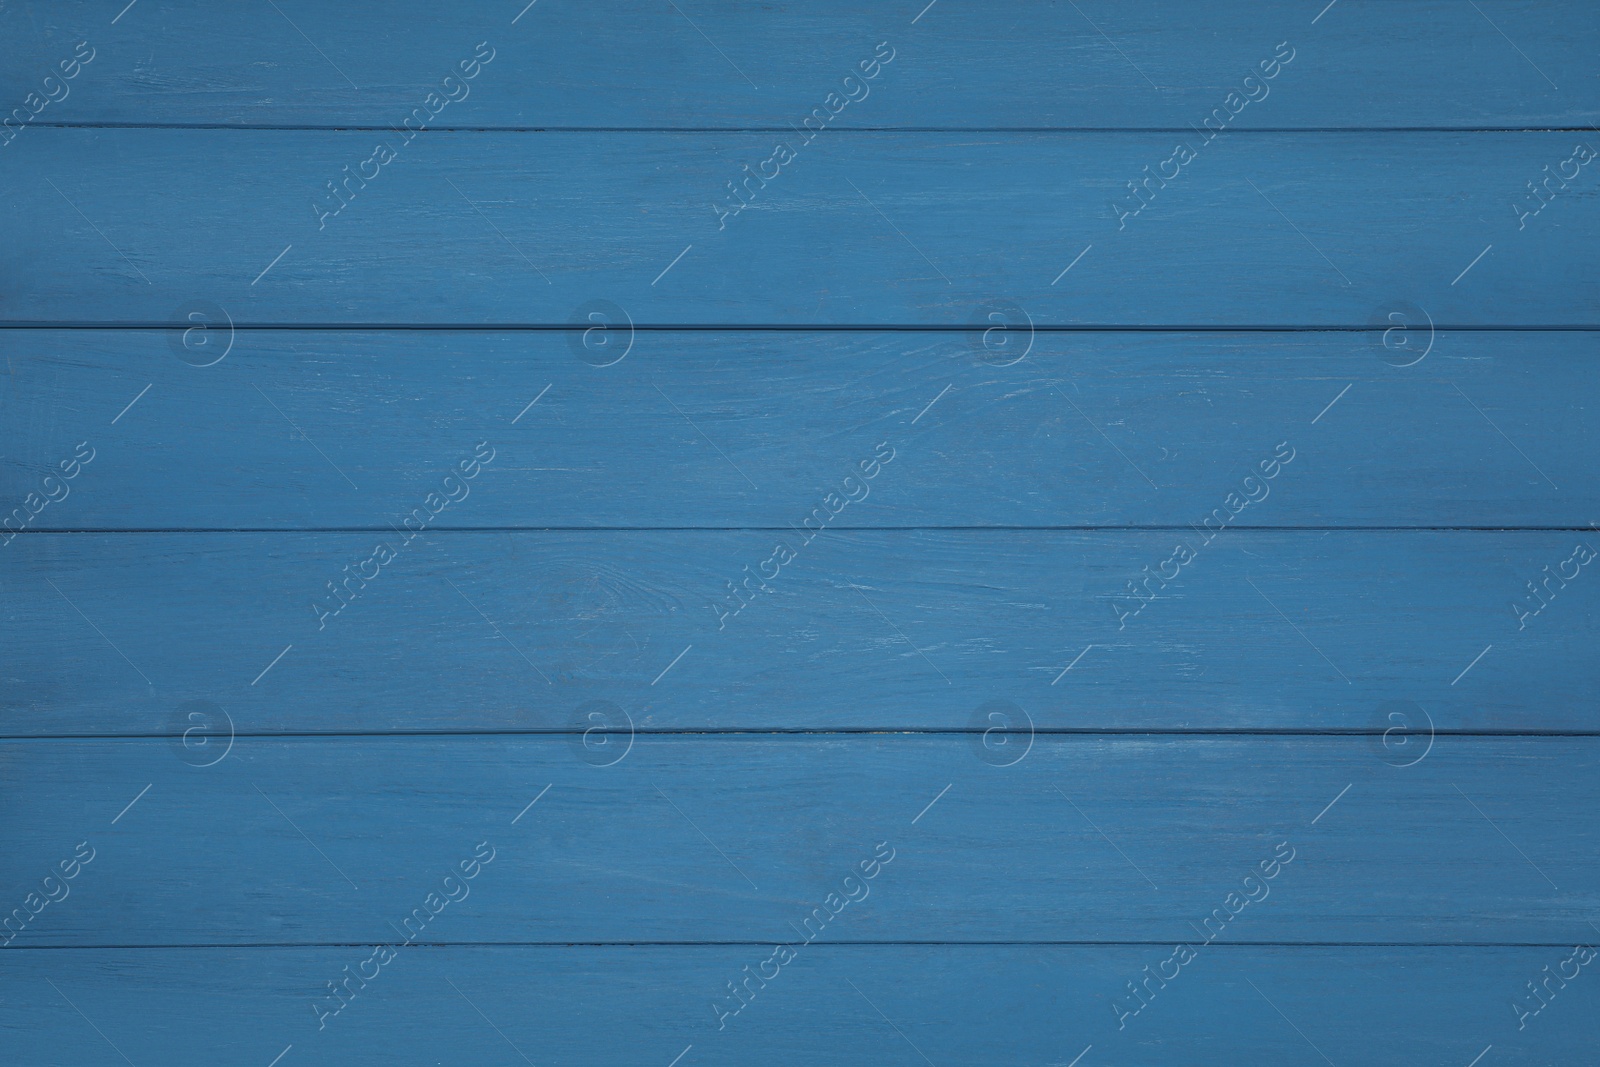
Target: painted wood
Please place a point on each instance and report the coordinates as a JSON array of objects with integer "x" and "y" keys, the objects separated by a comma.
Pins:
[
  {"x": 110, "y": 633},
  {"x": 734, "y": 838},
  {"x": 958, "y": 1004},
  {"x": 1007, "y": 731},
  {"x": 1296, "y": 229},
  {"x": 745, "y": 429},
  {"x": 1416, "y": 63}
]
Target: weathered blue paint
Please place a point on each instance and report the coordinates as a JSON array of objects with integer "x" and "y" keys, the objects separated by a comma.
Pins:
[
  {"x": 613, "y": 63},
  {"x": 1065, "y": 437},
  {"x": 1261, "y": 630},
  {"x": 699, "y": 533},
  {"x": 1297, "y": 229}
]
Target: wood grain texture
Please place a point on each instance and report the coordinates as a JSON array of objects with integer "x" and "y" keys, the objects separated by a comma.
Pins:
[
  {"x": 109, "y": 633},
  {"x": 976, "y": 1006},
  {"x": 368, "y": 551},
  {"x": 735, "y": 838},
  {"x": 1293, "y": 229},
  {"x": 962, "y": 1005},
  {"x": 744, "y": 429},
  {"x": 1415, "y": 63}
]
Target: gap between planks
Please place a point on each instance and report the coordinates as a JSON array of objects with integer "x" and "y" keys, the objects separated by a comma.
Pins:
[
  {"x": 835, "y": 731},
  {"x": 864, "y": 327},
  {"x": 297, "y": 946}
]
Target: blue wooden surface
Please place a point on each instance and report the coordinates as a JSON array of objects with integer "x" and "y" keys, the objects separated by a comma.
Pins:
[
  {"x": 1066, "y": 437},
  {"x": 612, "y": 853},
  {"x": 612, "y": 63},
  {"x": 906, "y": 629},
  {"x": 1297, "y": 229},
  {"x": 605, "y": 589}
]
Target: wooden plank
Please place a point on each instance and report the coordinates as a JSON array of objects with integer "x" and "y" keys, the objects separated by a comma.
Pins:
[
  {"x": 1020, "y": 1006},
  {"x": 1083, "y": 838},
  {"x": 722, "y": 63},
  {"x": 109, "y": 633},
  {"x": 1297, "y": 229},
  {"x": 745, "y": 429}
]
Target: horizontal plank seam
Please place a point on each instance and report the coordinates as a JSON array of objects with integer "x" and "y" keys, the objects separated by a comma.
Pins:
[
  {"x": 830, "y": 731},
  {"x": 695, "y": 130},
  {"x": 1084, "y": 528},
  {"x": 301, "y": 945},
  {"x": 880, "y": 327}
]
